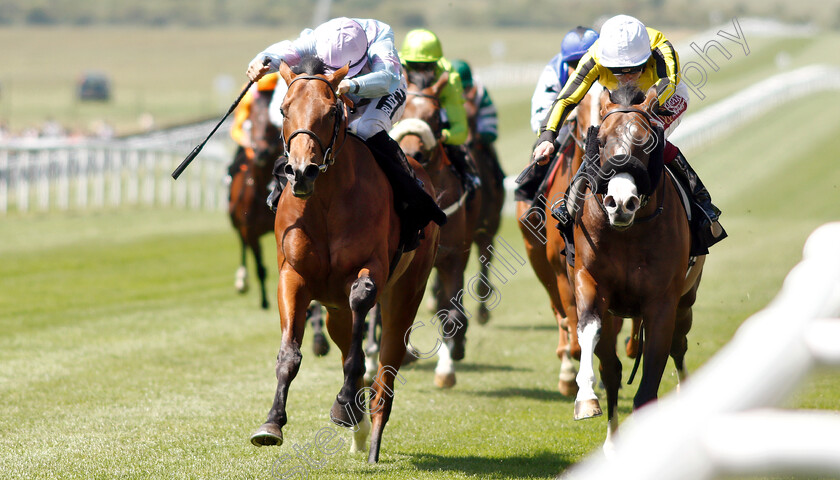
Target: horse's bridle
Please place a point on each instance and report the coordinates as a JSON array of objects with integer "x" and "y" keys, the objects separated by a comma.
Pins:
[
  {"x": 642, "y": 198},
  {"x": 329, "y": 154}
]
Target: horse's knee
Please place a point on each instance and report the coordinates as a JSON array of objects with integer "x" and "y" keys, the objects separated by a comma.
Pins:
[
  {"x": 362, "y": 294},
  {"x": 288, "y": 362}
]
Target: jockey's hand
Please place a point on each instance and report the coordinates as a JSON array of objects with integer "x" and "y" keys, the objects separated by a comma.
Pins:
[
  {"x": 344, "y": 87},
  {"x": 543, "y": 152},
  {"x": 256, "y": 70}
]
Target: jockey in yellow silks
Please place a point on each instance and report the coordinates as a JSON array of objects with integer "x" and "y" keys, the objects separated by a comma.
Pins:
[{"x": 629, "y": 52}]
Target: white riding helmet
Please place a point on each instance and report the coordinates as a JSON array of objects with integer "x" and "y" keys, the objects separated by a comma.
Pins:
[
  {"x": 341, "y": 41},
  {"x": 624, "y": 42}
]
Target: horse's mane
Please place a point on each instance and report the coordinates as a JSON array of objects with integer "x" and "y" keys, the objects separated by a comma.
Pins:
[
  {"x": 626, "y": 95},
  {"x": 310, "y": 65}
]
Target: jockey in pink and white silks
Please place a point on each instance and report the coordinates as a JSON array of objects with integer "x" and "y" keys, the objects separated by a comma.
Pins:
[{"x": 374, "y": 83}]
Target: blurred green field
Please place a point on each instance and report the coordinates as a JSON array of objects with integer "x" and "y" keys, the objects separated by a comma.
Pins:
[{"x": 125, "y": 353}]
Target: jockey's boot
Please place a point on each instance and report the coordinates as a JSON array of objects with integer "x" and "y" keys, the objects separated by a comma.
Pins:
[
  {"x": 415, "y": 207},
  {"x": 710, "y": 230},
  {"x": 278, "y": 184},
  {"x": 464, "y": 167}
]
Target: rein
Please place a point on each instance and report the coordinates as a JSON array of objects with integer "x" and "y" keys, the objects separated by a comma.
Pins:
[{"x": 329, "y": 153}]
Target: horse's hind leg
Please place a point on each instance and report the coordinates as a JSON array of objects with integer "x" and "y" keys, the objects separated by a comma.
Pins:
[
  {"x": 292, "y": 302},
  {"x": 658, "y": 324},
  {"x": 320, "y": 344},
  {"x": 347, "y": 409},
  {"x": 240, "y": 281}
]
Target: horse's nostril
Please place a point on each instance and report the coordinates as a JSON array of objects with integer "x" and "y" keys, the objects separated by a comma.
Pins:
[
  {"x": 289, "y": 170},
  {"x": 633, "y": 205},
  {"x": 311, "y": 171},
  {"x": 609, "y": 201}
]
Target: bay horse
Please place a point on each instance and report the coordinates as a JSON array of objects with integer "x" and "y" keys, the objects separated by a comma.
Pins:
[
  {"x": 249, "y": 215},
  {"x": 419, "y": 134},
  {"x": 546, "y": 247},
  {"x": 632, "y": 255},
  {"x": 337, "y": 234},
  {"x": 249, "y": 185},
  {"x": 492, "y": 200}
]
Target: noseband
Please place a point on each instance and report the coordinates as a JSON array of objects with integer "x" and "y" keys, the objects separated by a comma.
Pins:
[
  {"x": 660, "y": 139},
  {"x": 329, "y": 154}
]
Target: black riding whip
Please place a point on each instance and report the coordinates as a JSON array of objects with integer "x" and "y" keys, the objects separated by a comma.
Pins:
[{"x": 197, "y": 149}]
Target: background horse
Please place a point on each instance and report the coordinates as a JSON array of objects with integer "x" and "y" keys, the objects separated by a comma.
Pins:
[
  {"x": 546, "y": 248},
  {"x": 338, "y": 243},
  {"x": 250, "y": 216},
  {"x": 492, "y": 200},
  {"x": 419, "y": 134},
  {"x": 248, "y": 188},
  {"x": 632, "y": 256}
]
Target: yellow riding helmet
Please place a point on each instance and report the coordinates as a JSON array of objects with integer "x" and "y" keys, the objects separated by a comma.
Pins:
[{"x": 421, "y": 45}]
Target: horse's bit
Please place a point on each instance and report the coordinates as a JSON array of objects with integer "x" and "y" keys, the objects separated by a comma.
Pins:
[{"x": 329, "y": 154}]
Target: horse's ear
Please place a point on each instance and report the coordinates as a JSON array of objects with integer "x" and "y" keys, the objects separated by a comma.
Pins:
[
  {"x": 286, "y": 72},
  {"x": 604, "y": 101},
  {"x": 440, "y": 83},
  {"x": 337, "y": 76}
]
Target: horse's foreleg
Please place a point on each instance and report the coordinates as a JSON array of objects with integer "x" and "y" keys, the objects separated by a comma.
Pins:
[
  {"x": 679, "y": 343},
  {"x": 292, "y": 301},
  {"x": 254, "y": 243},
  {"x": 589, "y": 332},
  {"x": 610, "y": 375},
  {"x": 658, "y": 324},
  {"x": 454, "y": 325},
  {"x": 484, "y": 244},
  {"x": 398, "y": 311},
  {"x": 347, "y": 409},
  {"x": 240, "y": 281}
]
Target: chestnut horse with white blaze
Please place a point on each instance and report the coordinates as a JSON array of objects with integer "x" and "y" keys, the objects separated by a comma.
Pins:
[
  {"x": 632, "y": 255},
  {"x": 337, "y": 235}
]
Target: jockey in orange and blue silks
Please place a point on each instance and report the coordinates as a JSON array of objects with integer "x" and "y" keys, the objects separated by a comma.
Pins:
[
  {"x": 240, "y": 129},
  {"x": 374, "y": 83},
  {"x": 629, "y": 52}
]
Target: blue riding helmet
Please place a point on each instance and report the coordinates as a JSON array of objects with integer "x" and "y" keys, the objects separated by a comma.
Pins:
[{"x": 576, "y": 43}]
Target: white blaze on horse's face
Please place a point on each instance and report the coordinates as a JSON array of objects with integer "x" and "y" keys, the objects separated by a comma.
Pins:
[{"x": 622, "y": 200}]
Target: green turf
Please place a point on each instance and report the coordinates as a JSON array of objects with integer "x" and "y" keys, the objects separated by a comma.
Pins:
[{"x": 125, "y": 353}]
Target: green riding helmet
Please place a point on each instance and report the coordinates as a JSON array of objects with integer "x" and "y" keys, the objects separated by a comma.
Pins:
[
  {"x": 421, "y": 46},
  {"x": 463, "y": 69}
]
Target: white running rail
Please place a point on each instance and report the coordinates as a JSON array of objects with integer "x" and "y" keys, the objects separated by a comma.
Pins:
[{"x": 725, "y": 420}]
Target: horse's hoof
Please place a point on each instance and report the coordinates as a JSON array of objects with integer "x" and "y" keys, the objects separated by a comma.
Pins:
[
  {"x": 346, "y": 415},
  {"x": 267, "y": 435},
  {"x": 587, "y": 409},
  {"x": 444, "y": 380},
  {"x": 567, "y": 388},
  {"x": 320, "y": 345},
  {"x": 483, "y": 315}
]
